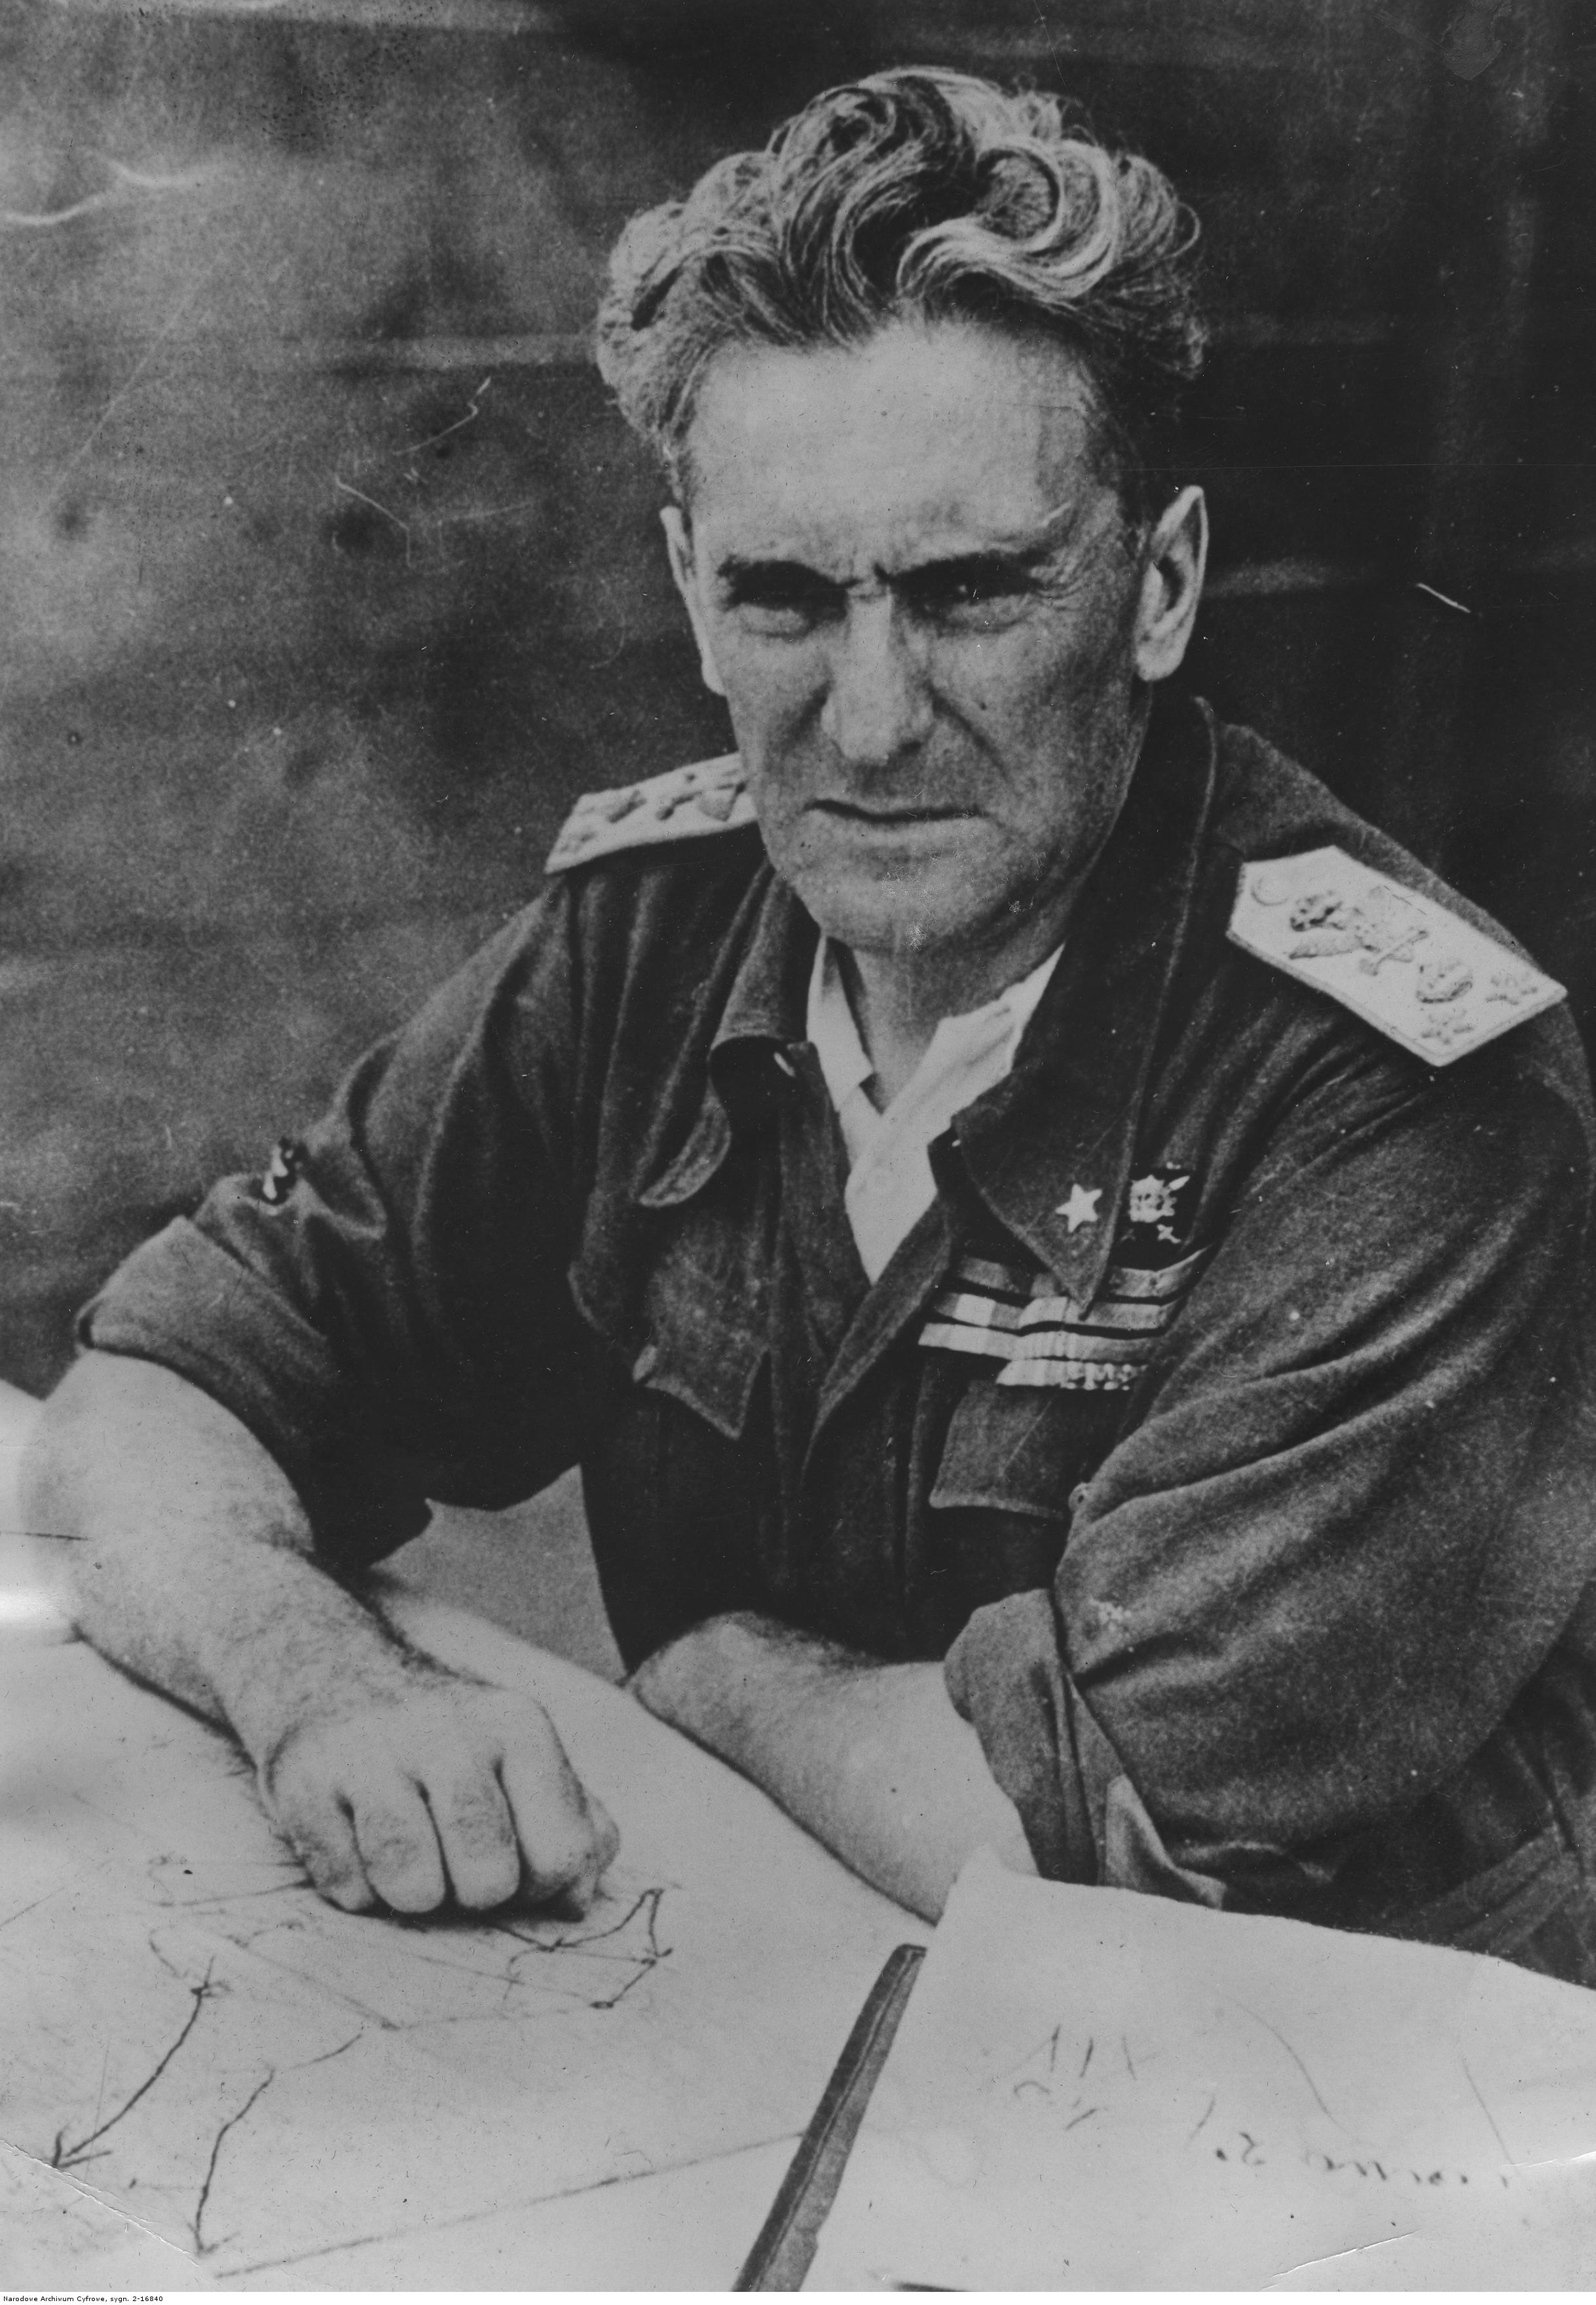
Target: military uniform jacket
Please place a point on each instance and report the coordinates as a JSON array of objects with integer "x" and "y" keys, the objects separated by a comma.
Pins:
[{"x": 1224, "y": 1424}]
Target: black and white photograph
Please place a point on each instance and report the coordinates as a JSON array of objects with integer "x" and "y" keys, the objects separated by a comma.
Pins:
[{"x": 797, "y": 1172}]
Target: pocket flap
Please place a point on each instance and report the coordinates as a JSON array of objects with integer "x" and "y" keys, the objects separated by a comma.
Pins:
[
  {"x": 714, "y": 1377},
  {"x": 1022, "y": 1451},
  {"x": 683, "y": 1303}
]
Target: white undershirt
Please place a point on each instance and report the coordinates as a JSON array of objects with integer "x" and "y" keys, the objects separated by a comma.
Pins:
[{"x": 890, "y": 1184}]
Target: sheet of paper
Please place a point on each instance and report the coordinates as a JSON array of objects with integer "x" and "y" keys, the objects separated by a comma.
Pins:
[
  {"x": 192, "y": 2037},
  {"x": 1093, "y": 2089}
]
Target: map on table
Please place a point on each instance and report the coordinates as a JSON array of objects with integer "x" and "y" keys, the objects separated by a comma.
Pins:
[{"x": 195, "y": 2038}]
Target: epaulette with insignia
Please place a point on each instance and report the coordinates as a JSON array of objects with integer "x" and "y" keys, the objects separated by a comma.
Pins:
[
  {"x": 709, "y": 796},
  {"x": 1405, "y": 964}
]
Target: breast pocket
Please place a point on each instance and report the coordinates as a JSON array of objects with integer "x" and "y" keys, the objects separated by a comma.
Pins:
[
  {"x": 1021, "y": 1453},
  {"x": 679, "y": 1485},
  {"x": 681, "y": 1296}
]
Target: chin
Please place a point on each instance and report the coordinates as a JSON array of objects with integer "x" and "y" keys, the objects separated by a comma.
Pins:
[{"x": 897, "y": 917}]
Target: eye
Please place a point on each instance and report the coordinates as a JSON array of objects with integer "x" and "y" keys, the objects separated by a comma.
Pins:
[
  {"x": 780, "y": 602},
  {"x": 970, "y": 595}
]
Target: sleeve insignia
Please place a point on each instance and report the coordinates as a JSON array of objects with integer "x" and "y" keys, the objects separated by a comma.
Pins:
[
  {"x": 709, "y": 796},
  {"x": 1428, "y": 981}
]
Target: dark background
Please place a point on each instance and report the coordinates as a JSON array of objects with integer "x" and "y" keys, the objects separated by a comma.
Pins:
[{"x": 330, "y": 579}]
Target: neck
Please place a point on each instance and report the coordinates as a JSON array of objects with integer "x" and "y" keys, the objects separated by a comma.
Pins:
[{"x": 899, "y": 997}]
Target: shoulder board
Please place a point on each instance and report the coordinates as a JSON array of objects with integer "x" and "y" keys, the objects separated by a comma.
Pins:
[
  {"x": 1429, "y": 981},
  {"x": 710, "y": 797}
]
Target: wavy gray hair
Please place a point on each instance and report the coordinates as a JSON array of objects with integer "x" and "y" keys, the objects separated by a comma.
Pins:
[{"x": 915, "y": 194}]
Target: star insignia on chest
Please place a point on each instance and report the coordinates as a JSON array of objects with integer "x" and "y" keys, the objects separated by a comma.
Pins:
[{"x": 1081, "y": 1207}]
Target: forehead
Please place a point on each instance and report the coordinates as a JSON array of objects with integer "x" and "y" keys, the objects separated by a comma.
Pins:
[{"x": 923, "y": 437}]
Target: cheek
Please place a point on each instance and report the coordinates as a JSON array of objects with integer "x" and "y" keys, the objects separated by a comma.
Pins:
[
  {"x": 761, "y": 665},
  {"x": 774, "y": 708},
  {"x": 1053, "y": 662},
  {"x": 1000, "y": 679},
  {"x": 1050, "y": 712}
]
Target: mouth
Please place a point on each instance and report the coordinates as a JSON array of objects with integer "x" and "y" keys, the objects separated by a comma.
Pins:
[{"x": 888, "y": 819}]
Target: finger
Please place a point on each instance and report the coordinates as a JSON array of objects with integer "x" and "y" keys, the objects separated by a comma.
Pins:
[
  {"x": 393, "y": 1831},
  {"x": 322, "y": 1838},
  {"x": 476, "y": 1833},
  {"x": 606, "y": 1835},
  {"x": 554, "y": 1825},
  {"x": 575, "y": 1899}
]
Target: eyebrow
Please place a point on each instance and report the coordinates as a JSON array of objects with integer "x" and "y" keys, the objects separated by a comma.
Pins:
[{"x": 1018, "y": 560}]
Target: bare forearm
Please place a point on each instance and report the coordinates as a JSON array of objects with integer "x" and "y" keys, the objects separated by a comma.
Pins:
[
  {"x": 189, "y": 1560},
  {"x": 397, "y": 1781},
  {"x": 871, "y": 1759}
]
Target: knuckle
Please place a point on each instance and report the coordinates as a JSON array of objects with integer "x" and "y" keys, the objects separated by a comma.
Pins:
[
  {"x": 524, "y": 1724},
  {"x": 313, "y": 1762},
  {"x": 475, "y": 1815},
  {"x": 390, "y": 1849},
  {"x": 306, "y": 1815},
  {"x": 397, "y": 1850},
  {"x": 479, "y": 1846},
  {"x": 331, "y": 1863}
]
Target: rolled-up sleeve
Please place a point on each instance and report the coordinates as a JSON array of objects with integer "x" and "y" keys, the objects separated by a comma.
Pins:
[
  {"x": 1355, "y": 1507},
  {"x": 395, "y": 1323}
]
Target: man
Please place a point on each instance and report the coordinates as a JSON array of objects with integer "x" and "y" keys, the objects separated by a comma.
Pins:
[{"x": 1059, "y": 1251}]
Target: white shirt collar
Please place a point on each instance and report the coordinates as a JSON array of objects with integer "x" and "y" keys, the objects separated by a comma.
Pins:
[
  {"x": 844, "y": 1063},
  {"x": 889, "y": 1183}
]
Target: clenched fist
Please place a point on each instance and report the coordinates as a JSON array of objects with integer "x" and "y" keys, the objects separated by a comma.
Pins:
[{"x": 441, "y": 1787}]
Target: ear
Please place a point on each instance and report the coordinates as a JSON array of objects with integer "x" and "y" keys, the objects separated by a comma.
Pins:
[
  {"x": 679, "y": 545},
  {"x": 1174, "y": 558}
]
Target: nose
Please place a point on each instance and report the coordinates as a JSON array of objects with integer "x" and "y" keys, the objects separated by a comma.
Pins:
[{"x": 878, "y": 700}]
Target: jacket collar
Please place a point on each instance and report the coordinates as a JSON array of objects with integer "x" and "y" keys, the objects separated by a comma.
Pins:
[
  {"x": 1069, "y": 1113},
  {"x": 744, "y": 1023},
  {"x": 1050, "y": 1149}
]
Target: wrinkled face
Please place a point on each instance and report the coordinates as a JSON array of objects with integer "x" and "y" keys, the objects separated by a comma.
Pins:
[{"x": 922, "y": 601}]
